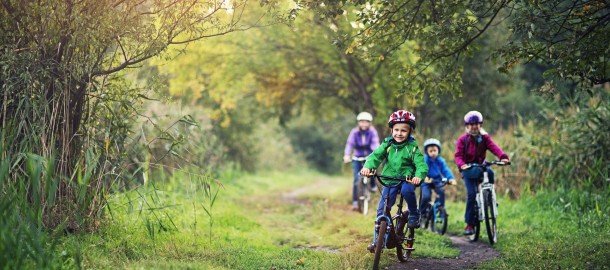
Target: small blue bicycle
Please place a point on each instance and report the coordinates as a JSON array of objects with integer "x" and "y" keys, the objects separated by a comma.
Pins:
[
  {"x": 435, "y": 216},
  {"x": 393, "y": 232}
]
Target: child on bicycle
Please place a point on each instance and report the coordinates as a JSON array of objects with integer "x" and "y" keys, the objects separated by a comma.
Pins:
[
  {"x": 471, "y": 148},
  {"x": 362, "y": 140},
  {"x": 437, "y": 170},
  {"x": 403, "y": 159}
]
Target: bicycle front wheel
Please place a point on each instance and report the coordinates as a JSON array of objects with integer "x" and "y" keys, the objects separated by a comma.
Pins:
[
  {"x": 428, "y": 217},
  {"x": 380, "y": 243},
  {"x": 439, "y": 224},
  {"x": 360, "y": 190},
  {"x": 490, "y": 218}
]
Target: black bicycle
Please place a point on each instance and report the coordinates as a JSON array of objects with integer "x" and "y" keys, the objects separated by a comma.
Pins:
[
  {"x": 486, "y": 206},
  {"x": 435, "y": 216},
  {"x": 392, "y": 231}
]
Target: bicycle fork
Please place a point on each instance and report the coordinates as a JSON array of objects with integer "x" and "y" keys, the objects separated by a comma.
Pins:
[{"x": 485, "y": 185}]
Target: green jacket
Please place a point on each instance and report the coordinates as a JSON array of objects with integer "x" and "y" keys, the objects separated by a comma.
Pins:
[{"x": 404, "y": 159}]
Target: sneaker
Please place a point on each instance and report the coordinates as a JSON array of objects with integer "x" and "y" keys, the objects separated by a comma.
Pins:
[
  {"x": 355, "y": 207},
  {"x": 371, "y": 247},
  {"x": 469, "y": 230},
  {"x": 374, "y": 189},
  {"x": 413, "y": 221}
]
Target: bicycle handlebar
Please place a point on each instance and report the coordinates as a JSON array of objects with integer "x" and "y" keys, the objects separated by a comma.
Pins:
[
  {"x": 487, "y": 164},
  {"x": 444, "y": 181},
  {"x": 400, "y": 179}
]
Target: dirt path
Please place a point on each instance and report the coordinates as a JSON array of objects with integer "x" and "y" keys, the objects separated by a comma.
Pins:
[{"x": 471, "y": 254}]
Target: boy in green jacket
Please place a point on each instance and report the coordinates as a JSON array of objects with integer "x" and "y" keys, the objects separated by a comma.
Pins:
[{"x": 403, "y": 159}]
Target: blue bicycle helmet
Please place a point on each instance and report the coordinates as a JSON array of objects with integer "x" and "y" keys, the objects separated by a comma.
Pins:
[{"x": 432, "y": 141}]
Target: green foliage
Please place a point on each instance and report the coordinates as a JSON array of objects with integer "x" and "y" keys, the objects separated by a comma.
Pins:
[
  {"x": 568, "y": 231},
  {"x": 320, "y": 142},
  {"x": 572, "y": 151},
  {"x": 64, "y": 98},
  {"x": 568, "y": 36}
]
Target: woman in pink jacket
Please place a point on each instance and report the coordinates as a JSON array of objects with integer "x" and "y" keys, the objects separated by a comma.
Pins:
[{"x": 471, "y": 148}]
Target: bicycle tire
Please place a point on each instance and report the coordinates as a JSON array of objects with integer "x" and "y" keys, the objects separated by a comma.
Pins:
[
  {"x": 439, "y": 224},
  {"x": 380, "y": 243},
  {"x": 367, "y": 198},
  {"x": 360, "y": 188},
  {"x": 490, "y": 219}
]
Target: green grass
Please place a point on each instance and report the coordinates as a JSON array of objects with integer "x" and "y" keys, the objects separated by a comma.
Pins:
[
  {"x": 256, "y": 224},
  {"x": 552, "y": 230}
]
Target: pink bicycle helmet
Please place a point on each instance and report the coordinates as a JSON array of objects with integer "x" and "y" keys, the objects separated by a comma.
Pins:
[{"x": 402, "y": 116}]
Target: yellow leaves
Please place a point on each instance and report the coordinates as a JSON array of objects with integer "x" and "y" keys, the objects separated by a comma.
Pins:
[
  {"x": 351, "y": 47},
  {"x": 301, "y": 261},
  {"x": 367, "y": 32},
  {"x": 381, "y": 58}
]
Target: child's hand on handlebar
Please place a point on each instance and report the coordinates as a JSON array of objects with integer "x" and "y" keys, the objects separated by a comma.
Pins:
[
  {"x": 366, "y": 172},
  {"x": 415, "y": 180},
  {"x": 452, "y": 182},
  {"x": 464, "y": 167},
  {"x": 505, "y": 160}
]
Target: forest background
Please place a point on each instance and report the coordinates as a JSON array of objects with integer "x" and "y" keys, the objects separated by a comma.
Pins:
[{"x": 106, "y": 98}]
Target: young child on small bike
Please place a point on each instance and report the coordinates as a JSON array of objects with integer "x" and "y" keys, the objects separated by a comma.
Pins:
[
  {"x": 362, "y": 140},
  {"x": 471, "y": 148},
  {"x": 437, "y": 170},
  {"x": 403, "y": 159}
]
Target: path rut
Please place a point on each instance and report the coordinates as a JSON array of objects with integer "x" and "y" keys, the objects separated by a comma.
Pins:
[{"x": 471, "y": 253}]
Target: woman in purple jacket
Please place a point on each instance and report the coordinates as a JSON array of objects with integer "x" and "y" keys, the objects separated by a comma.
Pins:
[
  {"x": 362, "y": 140},
  {"x": 471, "y": 148}
]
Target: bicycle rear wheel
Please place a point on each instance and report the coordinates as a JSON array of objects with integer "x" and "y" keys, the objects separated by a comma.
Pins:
[
  {"x": 490, "y": 218},
  {"x": 380, "y": 243},
  {"x": 439, "y": 224}
]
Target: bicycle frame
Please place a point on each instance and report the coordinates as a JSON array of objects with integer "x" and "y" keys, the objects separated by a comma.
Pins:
[{"x": 386, "y": 199}]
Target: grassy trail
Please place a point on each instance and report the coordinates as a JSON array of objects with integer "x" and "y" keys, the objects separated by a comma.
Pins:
[
  {"x": 303, "y": 221},
  {"x": 274, "y": 221}
]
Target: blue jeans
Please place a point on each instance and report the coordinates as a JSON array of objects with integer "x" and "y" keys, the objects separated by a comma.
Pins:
[
  {"x": 408, "y": 192},
  {"x": 357, "y": 165},
  {"x": 426, "y": 192},
  {"x": 471, "y": 188}
]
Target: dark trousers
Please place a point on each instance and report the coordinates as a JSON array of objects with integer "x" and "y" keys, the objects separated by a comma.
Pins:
[
  {"x": 426, "y": 192},
  {"x": 408, "y": 192}
]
